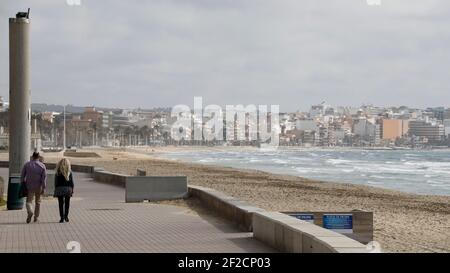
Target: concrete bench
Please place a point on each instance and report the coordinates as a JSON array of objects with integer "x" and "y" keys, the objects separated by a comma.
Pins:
[{"x": 155, "y": 188}]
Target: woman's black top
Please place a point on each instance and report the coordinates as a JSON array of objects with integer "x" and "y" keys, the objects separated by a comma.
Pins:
[{"x": 60, "y": 181}]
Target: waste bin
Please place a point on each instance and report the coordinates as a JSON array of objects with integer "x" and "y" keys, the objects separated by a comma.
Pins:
[{"x": 14, "y": 202}]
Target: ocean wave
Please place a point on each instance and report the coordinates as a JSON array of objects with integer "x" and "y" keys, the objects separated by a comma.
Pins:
[
  {"x": 279, "y": 161},
  {"x": 307, "y": 170},
  {"x": 419, "y": 173},
  {"x": 338, "y": 161}
]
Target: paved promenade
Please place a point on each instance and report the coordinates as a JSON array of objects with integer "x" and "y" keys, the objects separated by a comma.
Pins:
[{"x": 101, "y": 222}]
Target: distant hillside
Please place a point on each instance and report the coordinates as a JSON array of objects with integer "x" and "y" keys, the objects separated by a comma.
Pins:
[{"x": 43, "y": 107}]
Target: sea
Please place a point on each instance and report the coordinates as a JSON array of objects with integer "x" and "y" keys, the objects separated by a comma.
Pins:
[{"x": 413, "y": 171}]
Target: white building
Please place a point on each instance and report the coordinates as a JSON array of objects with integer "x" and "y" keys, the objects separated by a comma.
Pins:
[
  {"x": 306, "y": 124},
  {"x": 368, "y": 130},
  {"x": 447, "y": 127}
]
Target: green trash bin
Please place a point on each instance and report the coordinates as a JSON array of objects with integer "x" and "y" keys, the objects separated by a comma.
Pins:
[{"x": 14, "y": 202}]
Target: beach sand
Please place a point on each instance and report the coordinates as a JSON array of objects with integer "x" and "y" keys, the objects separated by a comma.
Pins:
[{"x": 403, "y": 222}]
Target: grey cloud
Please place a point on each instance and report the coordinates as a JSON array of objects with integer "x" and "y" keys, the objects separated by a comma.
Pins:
[{"x": 292, "y": 53}]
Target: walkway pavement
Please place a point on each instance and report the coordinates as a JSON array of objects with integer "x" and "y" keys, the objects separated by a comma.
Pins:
[{"x": 101, "y": 222}]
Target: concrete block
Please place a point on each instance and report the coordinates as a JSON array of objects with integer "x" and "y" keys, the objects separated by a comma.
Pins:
[
  {"x": 237, "y": 211},
  {"x": 292, "y": 240},
  {"x": 2, "y": 188},
  {"x": 155, "y": 188},
  {"x": 362, "y": 223},
  {"x": 351, "y": 250},
  {"x": 50, "y": 189},
  {"x": 314, "y": 244},
  {"x": 140, "y": 172},
  {"x": 339, "y": 242},
  {"x": 110, "y": 178},
  {"x": 83, "y": 168},
  {"x": 4, "y": 164},
  {"x": 264, "y": 229},
  {"x": 288, "y": 234},
  {"x": 279, "y": 237}
]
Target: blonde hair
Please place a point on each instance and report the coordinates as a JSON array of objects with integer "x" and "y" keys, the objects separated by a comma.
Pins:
[{"x": 63, "y": 167}]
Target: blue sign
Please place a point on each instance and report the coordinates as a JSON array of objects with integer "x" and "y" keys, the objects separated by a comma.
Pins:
[
  {"x": 338, "y": 222},
  {"x": 305, "y": 217}
]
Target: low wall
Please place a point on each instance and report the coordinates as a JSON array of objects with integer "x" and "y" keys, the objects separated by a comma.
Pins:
[
  {"x": 288, "y": 234},
  {"x": 155, "y": 188},
  {"x": 140, "y": 188},
  {"x": 2, "y": 188},
  {"x": 80, "y": 154},
  {"x": 362, "y": 223},
  {"x": 110, "y": 178},
  {"x": 82, "y": 168},
  {"x": 4, "y": 164},
  {"x": 140, "y": 172},
  {"x": 52, "y": 166},
  {"x": 237, "y": 211},
  {"x": 50, "y": 189}
]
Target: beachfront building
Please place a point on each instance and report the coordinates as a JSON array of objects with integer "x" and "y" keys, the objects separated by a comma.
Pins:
[
  {"x": 3, "y": 105},
  {"x": 306, "y": 124},
  {"x": 372, "y": 111},
  {"x": 447, "y": 114},
  {"x": 393, "y": 129},
  {"x": 317, "y": 111},
  {"x": 437, "y": 112},
  {"x": 432, "y": 131},
  {"x": 447, "y": 128},
  {"x": 367, "y": 132}
]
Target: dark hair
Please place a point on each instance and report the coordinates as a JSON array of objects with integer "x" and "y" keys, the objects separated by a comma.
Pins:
[{"x": 35, "y": 155}]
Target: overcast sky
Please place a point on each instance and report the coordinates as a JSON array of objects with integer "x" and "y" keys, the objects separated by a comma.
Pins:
[{"x": 138, "y": 53}]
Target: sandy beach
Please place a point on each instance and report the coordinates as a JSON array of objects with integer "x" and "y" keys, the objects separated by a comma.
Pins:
[{"x": 403, "y": 222}]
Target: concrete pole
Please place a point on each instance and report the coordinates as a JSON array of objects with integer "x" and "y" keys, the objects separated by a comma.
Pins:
[
  {"x": 19, "y": 94},
  {"x": 64, "y": 130},
  {"x": 35, "y": 141}
]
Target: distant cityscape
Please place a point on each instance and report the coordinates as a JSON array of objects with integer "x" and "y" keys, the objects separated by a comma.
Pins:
[{"x": 321, "y": 126}]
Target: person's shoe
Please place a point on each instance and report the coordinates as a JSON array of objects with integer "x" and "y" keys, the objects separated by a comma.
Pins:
[
  {"x": 61, "y": 221},
  {"x": 36, "y": 220},
  {"x": 29, "y": 218},
  {"x": 66, "y": 219}
]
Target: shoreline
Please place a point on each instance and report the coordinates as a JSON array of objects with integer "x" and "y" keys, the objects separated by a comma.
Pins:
[
  {"x": 164, "y": 154},
  {"x": 403, "y": 222}
]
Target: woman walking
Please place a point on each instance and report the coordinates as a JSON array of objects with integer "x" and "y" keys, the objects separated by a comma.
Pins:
[{"x": 63, "y": 188}]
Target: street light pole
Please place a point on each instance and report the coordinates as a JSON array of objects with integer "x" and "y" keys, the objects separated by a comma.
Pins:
[{"x": 64, "y": 130}]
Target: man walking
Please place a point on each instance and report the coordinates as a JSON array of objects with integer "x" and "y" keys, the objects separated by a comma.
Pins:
[{"x": 34, "y": 175}]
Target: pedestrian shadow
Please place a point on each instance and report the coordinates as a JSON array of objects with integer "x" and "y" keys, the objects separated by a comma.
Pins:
[
  {"x": 251, "y": 245},
  {"x": 14, "y": 224},
  {"x": 24, "y": 223}
]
